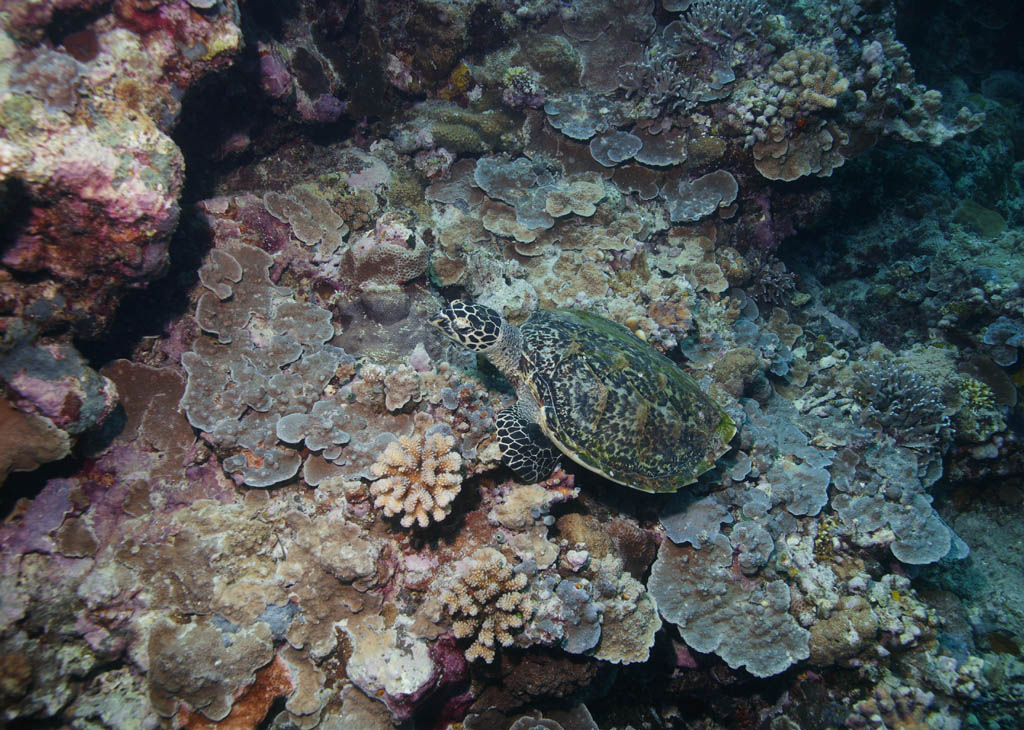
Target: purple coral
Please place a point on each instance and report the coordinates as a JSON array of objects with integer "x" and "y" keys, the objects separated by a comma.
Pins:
[
  {"x": 51, "y": 77},
  {"x": 275, "y": 80}
]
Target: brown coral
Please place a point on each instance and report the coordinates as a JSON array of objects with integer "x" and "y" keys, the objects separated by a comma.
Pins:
[
  {"x": 580, "y": 197},
  {"x": 418, "y": 475},
  {"x": 817, "y": 149},
  {"x": 806, "y": 81},
  {"x": 487, "y": 603}
]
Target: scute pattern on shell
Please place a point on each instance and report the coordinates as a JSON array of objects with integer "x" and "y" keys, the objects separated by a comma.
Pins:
[{"x": 618, "y": 406}]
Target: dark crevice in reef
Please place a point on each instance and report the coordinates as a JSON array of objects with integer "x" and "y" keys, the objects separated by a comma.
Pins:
[
  {"x": 28, "y": 484},
  {"x": 220, "y": 118},
  {"x": 227, "y": 121},
  {"x": 146, "y": 312},
  {"x": 963, "y": 38}
]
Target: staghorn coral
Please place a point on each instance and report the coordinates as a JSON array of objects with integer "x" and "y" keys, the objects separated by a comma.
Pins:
[
  {"x": 417, "y": 476},
  {"x": 771, "y": 283},
  {"x": 655, "y": 84},
  {"x": 718, "y": 21},
  {"x": 487, "y": 603}
]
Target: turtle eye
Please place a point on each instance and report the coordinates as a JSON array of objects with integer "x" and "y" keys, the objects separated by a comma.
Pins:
[{"x": 462, "y": 323}]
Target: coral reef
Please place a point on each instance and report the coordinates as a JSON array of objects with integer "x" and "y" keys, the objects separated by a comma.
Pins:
[
  {"x": 86, "y": 127},
  {"x": 247, "y": 485}
]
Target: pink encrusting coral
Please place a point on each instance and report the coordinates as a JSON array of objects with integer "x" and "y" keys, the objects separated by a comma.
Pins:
[{"x": 99, "y": 154}]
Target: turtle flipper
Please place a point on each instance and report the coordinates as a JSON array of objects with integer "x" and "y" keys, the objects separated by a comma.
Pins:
[{"x": 524, "y": 448}]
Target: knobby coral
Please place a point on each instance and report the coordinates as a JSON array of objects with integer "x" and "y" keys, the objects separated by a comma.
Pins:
[
  {"x": 418, "y": 476},
  {"x": 487, "y": 603}
]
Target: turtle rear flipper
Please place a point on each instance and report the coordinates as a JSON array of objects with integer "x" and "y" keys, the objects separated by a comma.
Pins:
[{"x": 524, "y": 448}]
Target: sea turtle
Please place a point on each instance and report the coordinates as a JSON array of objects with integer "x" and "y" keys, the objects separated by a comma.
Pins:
[{"x": 598, "y": 393}]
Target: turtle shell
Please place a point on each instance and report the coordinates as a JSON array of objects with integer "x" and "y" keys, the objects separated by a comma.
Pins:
[{"x": 617, "y": 406}]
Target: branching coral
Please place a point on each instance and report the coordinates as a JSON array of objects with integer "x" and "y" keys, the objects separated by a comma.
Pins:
[
  {"x": 901, "y": 403},
  {"x": 771, "y": 283},
  {"x": 418, "y": 475},
  {"x": 655, "y": 83},
  {"x": 805, "y": 81},
  {"x": 520, "y": 87},
  {"x": 487, "y": 603},
  {"x": 718, "y": 21}
]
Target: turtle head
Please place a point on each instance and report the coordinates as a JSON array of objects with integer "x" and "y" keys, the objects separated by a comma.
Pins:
[{"x": 473, "y": 326}]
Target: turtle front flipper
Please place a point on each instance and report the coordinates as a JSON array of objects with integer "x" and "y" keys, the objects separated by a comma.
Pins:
[{"x": 524, "y": 448}]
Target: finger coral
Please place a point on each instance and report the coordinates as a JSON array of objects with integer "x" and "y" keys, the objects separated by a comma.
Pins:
[
  {"x": 418, "y": 475},
  {"x": 487, "y": 603}
]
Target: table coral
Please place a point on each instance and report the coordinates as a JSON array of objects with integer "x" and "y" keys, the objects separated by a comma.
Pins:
[
  {"x": 311, "y": 218},
  {"x": 691, "y": 200},
  {"x": 244, "y": 381},
  {"x": 745, "y": 622},
  {"x": 487, "y": 602},
  {"x": 418, "y": 477}
]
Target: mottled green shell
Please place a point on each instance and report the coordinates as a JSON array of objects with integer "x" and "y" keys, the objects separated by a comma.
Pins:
[{"x": 616, "y": 405}]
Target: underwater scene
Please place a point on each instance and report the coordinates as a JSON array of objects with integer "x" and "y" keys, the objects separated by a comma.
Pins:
[{"x": 511, "y": 364}]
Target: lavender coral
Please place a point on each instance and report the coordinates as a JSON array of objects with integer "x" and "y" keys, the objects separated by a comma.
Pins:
[{"x": 747, "y": 624}]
